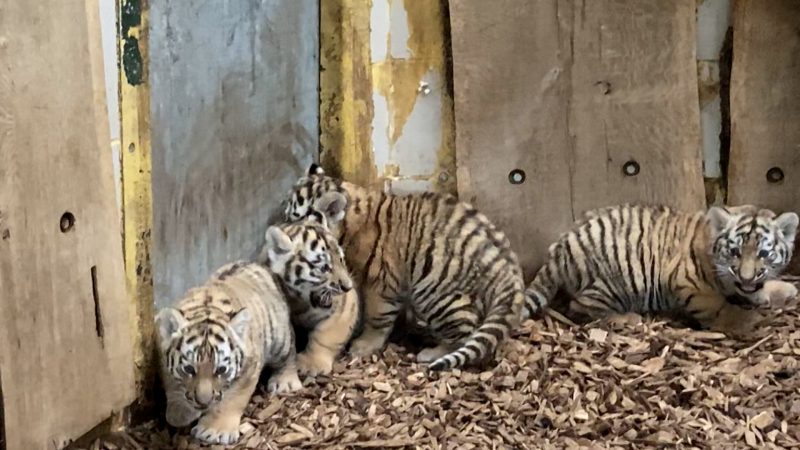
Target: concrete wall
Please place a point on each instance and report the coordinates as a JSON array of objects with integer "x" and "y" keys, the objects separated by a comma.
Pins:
[{"x": 234, "y": 122}]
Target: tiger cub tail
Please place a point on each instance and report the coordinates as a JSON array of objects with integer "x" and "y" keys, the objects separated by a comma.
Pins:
[
  {"x": 483, "y": 342},
  {"x": 543, "y": 287}
]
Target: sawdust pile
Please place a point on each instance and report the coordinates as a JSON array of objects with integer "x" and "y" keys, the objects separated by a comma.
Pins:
[{"x": 623, "y": 383}]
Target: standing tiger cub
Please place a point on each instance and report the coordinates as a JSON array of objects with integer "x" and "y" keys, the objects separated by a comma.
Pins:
[
  {"x": 437, "y": 258},
  {"x": 214, "y": 344},
  {"x": 654, "y": 259},
  {"x": 309, "y": 263}
]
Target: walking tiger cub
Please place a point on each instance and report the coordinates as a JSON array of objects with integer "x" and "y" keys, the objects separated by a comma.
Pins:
[
  {"x": 436, "y": 257},
  {"x": 307, "y": 259},
  {"x": 654, "y": 259},
  {"x": 214, "y": 344}
]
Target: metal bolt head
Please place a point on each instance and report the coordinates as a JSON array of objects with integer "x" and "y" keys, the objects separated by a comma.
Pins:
[
  {"x": 424, "y": 88},
  {"x": 631, "y": 168}
]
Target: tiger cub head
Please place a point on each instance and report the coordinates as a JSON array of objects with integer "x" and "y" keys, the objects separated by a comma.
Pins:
[
  {"x": 203, "y": 352},
  {"x": 318, "y": 192},
  {"x": 750, "y": 245},
  {"x": 307, "y": 258}
]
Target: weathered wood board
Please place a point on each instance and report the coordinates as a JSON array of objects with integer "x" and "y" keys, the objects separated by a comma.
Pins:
[
  {"x": 765, "y": 105},
  {"x": 569, "y": 91},
  {"x": 65, "y": 342},
  {"x": 234, "y": 123}
]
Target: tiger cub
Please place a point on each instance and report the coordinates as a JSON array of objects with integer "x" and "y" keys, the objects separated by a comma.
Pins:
[
  {"x": 654, "y": 259},
  {"x": 438, "y": 259},
  {"x": 310, "y": 265},
  {"x": 214, "y": 343}
]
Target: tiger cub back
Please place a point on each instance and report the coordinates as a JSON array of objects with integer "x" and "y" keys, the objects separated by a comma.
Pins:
[
  {"x": 215, "y": 341},
  {"x": 309, "y": 263},
  {"x": 654, "y": 259},
  {"x": 438, "y": 259}
]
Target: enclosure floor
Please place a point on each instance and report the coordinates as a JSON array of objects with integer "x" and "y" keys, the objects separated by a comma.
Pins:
[{"x": 622, "y": 383}]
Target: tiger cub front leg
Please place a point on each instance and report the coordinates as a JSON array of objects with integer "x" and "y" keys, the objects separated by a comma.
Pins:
[
  {"x": 712, "y": 311},
  {"x": 330, "y": 336},
  {"x": 220, "y": 424},
  {"x": 381, "y": 310},
  {"x": 776, "y": 293},
  {"x": 284, "y": 375}
]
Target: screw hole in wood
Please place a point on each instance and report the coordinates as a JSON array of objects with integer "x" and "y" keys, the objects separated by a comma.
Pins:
[
  {"x": 631, "y": 168},
  {"x": 775, "y": 175},
  {"x": 67, "y": 222},
  {"x": 516, "y": 176}
]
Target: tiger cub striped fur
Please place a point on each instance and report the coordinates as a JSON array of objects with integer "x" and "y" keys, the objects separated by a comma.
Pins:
[
  {"x": 439, "y": 259},
  {"x": 309, "y": 263},
  {"x": 654, "y": 259},
  {"x": 214, "y": 343}
]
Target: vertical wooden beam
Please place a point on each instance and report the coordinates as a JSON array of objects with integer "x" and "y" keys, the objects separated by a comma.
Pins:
[
  {"x": 764, "y": 166},
  {"x": 346, "y": 108},
  {"x": 136, "y": 181}
]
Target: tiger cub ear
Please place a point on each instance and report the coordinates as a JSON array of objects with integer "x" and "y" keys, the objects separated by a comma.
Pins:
[
  {"x": 240, "y": 324},
  {"x": 787, "y": 223},
  {"x": 315, "y": 169},
  {"x": 278, "y": 246},
  {"x": 333, "y": 205},
  {"x": 317, "y": 217},
  {"x": 718, "y": 219},
  {"x": 169, "y": 322}
]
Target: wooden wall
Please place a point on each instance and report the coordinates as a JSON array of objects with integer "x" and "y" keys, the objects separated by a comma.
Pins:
[
  {"x": 569, "y": 92},
  {"x": 65, "y": 337},
  {"x": 234, "y": 122}
]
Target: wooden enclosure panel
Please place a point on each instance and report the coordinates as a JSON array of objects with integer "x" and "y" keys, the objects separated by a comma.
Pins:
[
  {"x": 765, "y": 104},
  {"x": 65, "y": 359},
  {"x": 234, "y": 123},
  {"x": 569, "y": 91}
]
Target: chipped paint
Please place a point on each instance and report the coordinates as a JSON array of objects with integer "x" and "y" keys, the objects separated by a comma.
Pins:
[
  {"x": 134, "y": 94},
  {"x": 405, "y": 109}
]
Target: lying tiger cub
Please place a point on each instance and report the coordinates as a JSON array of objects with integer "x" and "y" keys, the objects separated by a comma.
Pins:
[
  {"x": 214, "y": 344},
  {"x": 644, "y": 259}
]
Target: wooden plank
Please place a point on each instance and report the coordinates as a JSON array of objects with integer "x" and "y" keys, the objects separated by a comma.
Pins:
[
  {"x": 568, "y": 91},
  {"x": 137, "y": 200},
  {"x": 234, "y": 123},
  {"x": 765, "y": 111},
  {"x": 64, "y": 321}
]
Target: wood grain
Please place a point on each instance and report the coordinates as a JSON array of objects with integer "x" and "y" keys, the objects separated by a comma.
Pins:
[
  {"x": 65, "y": 343},
  {"x": 765, "y": 105},
  {"x": 235, "y": 122},
  {"x": 569, "y": 91}
]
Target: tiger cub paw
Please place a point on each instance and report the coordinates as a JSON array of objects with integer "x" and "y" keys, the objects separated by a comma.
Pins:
[
  {"x": 432, "y": 354},
  {"x": 180, "y": 414},
  {"x": 362, "y": 347},
  {"x": 219, "y": 430},
  {"x": 314, "y": 364},
  {"x": 284, "y": 382},
  {"x": 777, "y": 293},
  {"x": 737, "y": 322}
]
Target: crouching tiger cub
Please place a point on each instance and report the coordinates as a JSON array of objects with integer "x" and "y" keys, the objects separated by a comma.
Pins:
[
  {"x": 437, "y": 258},
  {"x": 654, "y": 259},
  {"x": 309, "y": 263},
  {"x": 214, "y": 344}
]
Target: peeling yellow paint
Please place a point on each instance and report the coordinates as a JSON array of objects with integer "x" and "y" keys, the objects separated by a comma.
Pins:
[
  {"x": 349, "y": 79},
  {"x": 346, "y": 108},
  {"x": 137, "y": 207}
]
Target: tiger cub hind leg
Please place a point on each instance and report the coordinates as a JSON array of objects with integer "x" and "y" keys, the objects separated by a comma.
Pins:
[
  {"x": 220, "y": 424},
  {"x": 381, "y": 310},
  {"x": 593, "y": 303},
  {"x": 327, "y": 340}
]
